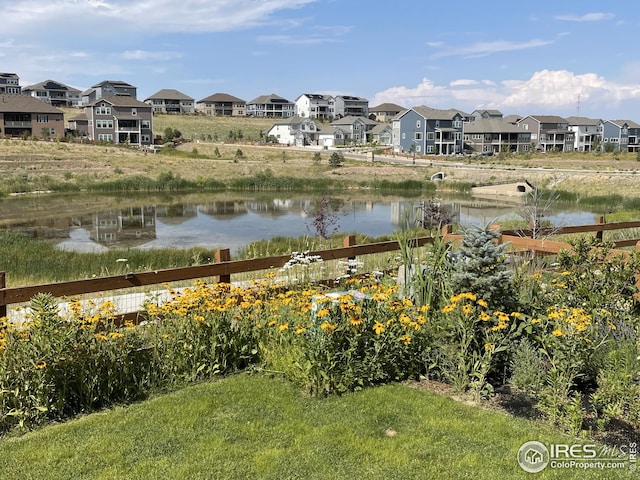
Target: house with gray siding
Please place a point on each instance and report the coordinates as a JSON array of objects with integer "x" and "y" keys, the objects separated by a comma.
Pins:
[
  {"x": 585, "y": 132},
  {"x": 10, "y": 84},
  {"x": 380, "y": 134},
  {"x": 354, "y": 128},
  {"x": 169, "y": 100},
  {"x": 116, "y": 119},
  {"x": 272, "y": 106},
  {"x": 633, "y": 128},
  {"x": 615, "y": 135},
  {"x": 426, "y": 130},
  {"x": 348, "y": 105},
  {"x": 549, "y": 132},
  {"x": 484, "y": 114},
  {"x": 108, "y": 88},
  {"x": 56, "y": 93},
  {"x": 495, "y": 135}
]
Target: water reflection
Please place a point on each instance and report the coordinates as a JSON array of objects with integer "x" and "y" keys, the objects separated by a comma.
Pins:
[{"x": 234, "y": 223}]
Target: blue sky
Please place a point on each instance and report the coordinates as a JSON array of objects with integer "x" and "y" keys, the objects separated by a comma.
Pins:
[{"x": 543, "y": 57}]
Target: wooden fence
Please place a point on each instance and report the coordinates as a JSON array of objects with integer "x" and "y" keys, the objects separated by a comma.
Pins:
[{"x": 224, "y": 267}]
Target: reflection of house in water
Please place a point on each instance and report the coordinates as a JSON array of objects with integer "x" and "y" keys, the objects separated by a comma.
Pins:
[
  {"x": 130, "y": 225},
  {"x": 224, "y": 208},
  {"x": 408, "y": 213},
  {"x": 175, "y": 214},
  {"x": 277, "y": 206}
]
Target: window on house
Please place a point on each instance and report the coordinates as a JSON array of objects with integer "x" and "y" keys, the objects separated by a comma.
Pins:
[
  {"x": 103, "y": 110},
  {"x": 457, "y": 124},
  {"x": 41, "y": 118},
  {"x": 145, "y": 124},
  {"x": 418, "y": 124},
  {"x": 429, "y": 148},
  {"x": 134, "y": 111},
  {"x": 404, "y": 135},
  {"x": 437, "y": 123},
  {"x": 431, "y": 136},
  {"x": 417, "y": 136}
]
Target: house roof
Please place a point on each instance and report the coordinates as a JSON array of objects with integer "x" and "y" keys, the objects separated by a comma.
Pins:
[
  {"x": 436, "y": 114},
  {"x": 315, "y": 96},
  {"x": 221, "y": 98},
  {"x": 350, "y": 119},
  {"x": 583, "y": 121},
  {"x": 512, "y": 118},
  {"x": 115, "y": 83},
  {"x": 80, "y": 117},
  {"x": 351, "y": 98},
  {"x": 379, "y": 128},
  {"x": 25, "y": 104},
  {"x": 630, "y": 123},
  {"x": 169, "y": 94},
  {"x": 122, "y": 101},
  {"x": 547, "y": 118},
  {"x": 493, "y": 113},
  {"x": 386, "y": 107},
  {"x": 291, "y": 120},
  {"x": 8, "y": 75},
  {"x": 50, "y": 85},
  {"x": 492, "y": 125},
  {"x": 272, "y": 98},
  {"x": 329, "y": 130}
]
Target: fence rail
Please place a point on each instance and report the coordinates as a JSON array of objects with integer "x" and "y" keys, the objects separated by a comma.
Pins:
[{"x": 224, "y": 267}]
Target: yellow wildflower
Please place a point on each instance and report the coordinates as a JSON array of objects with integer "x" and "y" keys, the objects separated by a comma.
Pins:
[
  {"x": 323, "y": 312},
  {"x": 484, "y": 316},
  {"x": 406, "y": 339},
  {"x": 448, "y": 308},
  {"x": 558, "y": 333},
  {"x": 378, "y": 328},
  {"x": 328, "y": 327},
  {"x": 467, "y": 309},
  {"x": 483, "y": 303},
  {"x": 356, "y": 321},
  {"x": 283, "y": 326},
  {"x": 489, "y": 347},
  {"x": 40, "y": 364}
]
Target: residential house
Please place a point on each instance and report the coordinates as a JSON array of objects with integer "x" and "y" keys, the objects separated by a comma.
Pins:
[
  {"x": 495, "y": 135},
  {"x": 222, "y": 105},
  {"x": 618, "y": 135},
  {"x": 118, "y": 119},
  {"x": 428, "y": 130},
  {"x": 549, "y": 132},
  {"x": 385, "y": 112},
  {"x": 271, "y": 106},
  {"x": 10, "y": 83},
  {"x": 329, "y": 136},
  {"x": 346, "y": 105},
  {"x": 108, "y": 88},
  {"x": 381, "y": 134},
  {"x": 586, "y": 133},
  {"x": 169, "y": 100},
  {"x": 315, "y": 105},
  {"x": 23, "y": 115},
  {"x": 56, "y": 93},
  {"x": 355, "y": 128},
  {"x": 298, "y": 131},
  {"x": 484, "y": 114}
]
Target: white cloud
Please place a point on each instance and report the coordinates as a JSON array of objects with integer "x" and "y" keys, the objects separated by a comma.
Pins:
[
  {"x": 588, "y": 17},
  {"x": 139, "y": 15},
  {"x": 463, "y": 82},
  {"x": 148, "y": 55},
  {"x": 545, "y": 92},
  {"x": 482, "y": 49}
]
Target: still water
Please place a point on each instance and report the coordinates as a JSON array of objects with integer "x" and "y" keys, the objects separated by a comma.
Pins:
[{"x": 93, "y": 224}]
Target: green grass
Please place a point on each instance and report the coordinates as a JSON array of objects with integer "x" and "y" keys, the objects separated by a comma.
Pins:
[{"x": 252, "y": 426}]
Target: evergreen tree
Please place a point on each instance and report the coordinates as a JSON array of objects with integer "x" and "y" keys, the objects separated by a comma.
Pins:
[{"x": 481, "y": 269}]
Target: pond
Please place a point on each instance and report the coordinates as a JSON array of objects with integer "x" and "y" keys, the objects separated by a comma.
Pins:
[{"x": 92, "y": 224}]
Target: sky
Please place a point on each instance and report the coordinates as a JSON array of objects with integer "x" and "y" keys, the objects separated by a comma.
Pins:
[{"x": 523, "y": 58}]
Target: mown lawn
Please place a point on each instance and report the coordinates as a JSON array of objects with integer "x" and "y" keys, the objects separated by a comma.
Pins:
[{"x": 253, "y": 426}]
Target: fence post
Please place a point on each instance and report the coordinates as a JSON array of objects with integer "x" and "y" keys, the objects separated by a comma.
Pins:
[
  {"x": 350, "y": 241},
  {"x": 3, "y": 284},
  {"x": 600, "y": 233},
  {"x": 223, "y": 255},
  {"x": 445, "y": 231}
]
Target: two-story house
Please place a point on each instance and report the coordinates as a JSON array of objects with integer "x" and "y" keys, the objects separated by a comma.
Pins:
[
  {"x": 10, "y": 84},
  {"x": 617, "y": 135},
  {"x": 298, "y": 131},
  {"x": 585, "y": 133},
  {"x": 108, "y": 88},
  {"x": 347, "y": 105},
  {"x": 484, "y": 114},
  {"x": 315, "y": 105},
  {"x": 23, "y": 115},
  {"x": 549, "y": 132},
  {"x": 428, "y": 130},
  {"x": 169, "y": 100},
  {"x": 272, "y": 106},
  {"x": 222, "y": 105},
  {"x": 495, "y": 135},
  {"x": 633, "y": 144},
  {"x": 116, "y": 119},
  {"x": 354, "y": 128},
  {"x": 56, "y": 93},
  {"x": 385, "y": 112}
]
